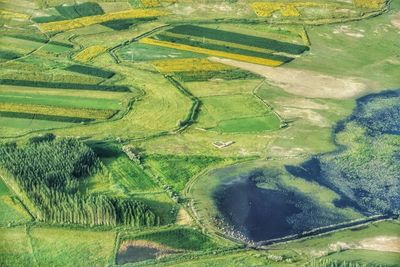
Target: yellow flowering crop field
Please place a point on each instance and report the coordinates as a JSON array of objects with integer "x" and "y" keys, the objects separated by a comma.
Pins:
[
  {"x": 265, "y": 9},
  {"x": 188, "y": 65},
  {"x": 90, "y": 53},
  {"x": 250, "y": 59},
  {"x": 374, "y": 4},
  {"x": 87, "y": 21}
]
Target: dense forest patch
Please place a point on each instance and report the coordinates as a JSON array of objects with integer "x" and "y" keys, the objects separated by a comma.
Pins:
[{"x": 48, "y": 173}]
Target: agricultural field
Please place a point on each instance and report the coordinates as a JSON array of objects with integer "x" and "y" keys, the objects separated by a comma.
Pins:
[{"x": 199, "y": 133}]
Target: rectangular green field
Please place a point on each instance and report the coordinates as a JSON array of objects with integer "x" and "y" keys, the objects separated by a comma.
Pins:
[
  {"x": 176, "y": 171},
  {"x": 60, "y": 101},
  {"x": 215, "y": 109},
  {"x": 67, "y": 247},
  {"x": 129, "y": 175}
]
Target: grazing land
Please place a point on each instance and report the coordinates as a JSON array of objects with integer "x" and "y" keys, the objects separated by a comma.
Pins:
[{"x": 199, "y": 133}]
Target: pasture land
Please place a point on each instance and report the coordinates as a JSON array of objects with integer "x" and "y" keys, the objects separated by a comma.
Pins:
[
  {"x": 69, "y": 247},
  {"x": 215, "y": 109},
  {"x": 176, "y": 171},
  {"x": 178, "y": 238},
  {"x": 129, "y": 175},
  {"x": 250, "y": 125},
  {"x": 11, "y": 209},
  {"x": 222, "y": 87},
  {"x": 15, "y": 249}
]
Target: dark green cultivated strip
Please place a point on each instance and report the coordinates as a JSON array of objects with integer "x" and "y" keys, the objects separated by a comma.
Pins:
[
  {"x": 21, "y": 115},
  {"x": 208, "y": 75},
  {"x": 233, "y": 50},
  {"x": 239, "y": 38},
  {"x": 62, "y": 85},
  {"x": 39, "y": 39},
  {"x": 90, "y": 71},
  {"x": 8, "y": 55}
]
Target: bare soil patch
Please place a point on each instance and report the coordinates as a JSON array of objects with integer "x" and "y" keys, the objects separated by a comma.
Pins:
[{"x": 303, "y": 82}]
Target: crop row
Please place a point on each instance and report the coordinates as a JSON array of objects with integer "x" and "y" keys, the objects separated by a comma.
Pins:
[
  {"x": 188, "y": 65},
  {"x": 63, "y": 85},
  {"x": 224, "y": 48},
  {"x": 58, "y": 111},
  {"x": 92, "y": 71},
  {"x": 251, "y": 59},
  {"x": 19, "y": 115},
  {"x": 87, "y": 21},
  {"x": 233, "y": 74},
  {"x": 239, "y": 38}
]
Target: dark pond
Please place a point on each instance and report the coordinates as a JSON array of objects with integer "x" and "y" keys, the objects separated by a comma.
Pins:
[
  {"x": 136, "y": 254},
  {"x": 263, "y": 214}
]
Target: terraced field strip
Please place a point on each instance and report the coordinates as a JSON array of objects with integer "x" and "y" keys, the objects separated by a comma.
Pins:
[
  {"x": 90, "y": 53},
  {"x": 31, "y": 97},
  {"x": 27, "y": 44},
  {"x": 251, "y": 59},
  {"x": 53, "y": 113},
  {"x": 188, "y": 65},
  {"x": 82, "y": 94},
  {"x": 87, "y": 21},
  {"x": 200, "y": 44},
  {"x": 64, "y": 85},
  {"x": 218, "y": 42},
  {"x": 92, "y": 71},
  {"x": 239, "y": 38}
]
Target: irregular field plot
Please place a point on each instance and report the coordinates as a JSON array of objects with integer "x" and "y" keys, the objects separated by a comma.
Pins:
[
  {"x": 180, "y": 238},
  {"x": 161, "y": 204},
  {"x": 129, "y": 175},
  {"x": 143, "y": 52},
  {"x": 176, "y": 171},
  {"x": 221, "y": 87},
  {"x": 14, "y": 247},
  {"x": 220, "y": 108},
  {"x": 11, "y": 210},
  {"x": 64, "y": 247},
  {"x": 249, "y": 125},
  {"x": 381, "y": 258}
]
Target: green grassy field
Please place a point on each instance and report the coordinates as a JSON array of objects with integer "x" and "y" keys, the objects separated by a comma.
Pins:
[
  {"x": 179, "y": 238},
  {"x": 176, "y": 171},
  {"x": 57, "y": 246}
]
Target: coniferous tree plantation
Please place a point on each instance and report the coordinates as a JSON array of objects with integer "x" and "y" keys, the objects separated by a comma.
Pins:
[{"x": 50, "y": 172}]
